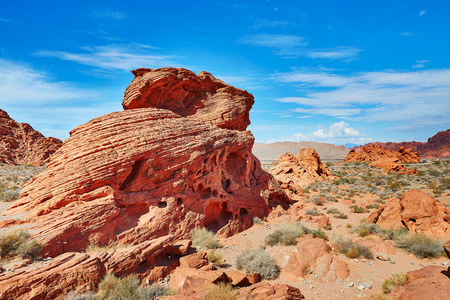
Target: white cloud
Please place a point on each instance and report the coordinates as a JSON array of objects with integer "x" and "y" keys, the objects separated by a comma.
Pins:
[
  {"x": 419, "y": 98},
  {"x": 422, "y": 13},
  {"x": 107, "y": 13},
  {"x": 114, "y": 56},
  {"x": 420, "y": 64},
  {"x": 406, "y": 33},
  {"x": 51, "y": 107},
  {"x": 293, "y": 46},
  {"x": 339, "y": 132},
  {"x": 266, "y": 23},
  {"x": 8, "y": 20}
]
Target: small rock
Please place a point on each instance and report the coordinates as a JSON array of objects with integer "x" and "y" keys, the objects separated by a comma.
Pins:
[
  {"x": 392, "y": 261},
  {"x": 361, "y": 287},
  {"x": 363, "y": 260},
  {"x": 412, "y": 262},
  {"x": 350, "y": 284},
  {"x": 434, "y": 262},
  {"x": 311, "y": 286},
  {"x": 444, "y": 263},
  {"x": 421, "y": 265},
  {"x": 367, "y": 285},
  {"x": 382, "y": 256},
  {"x": 355, "y": 260}
]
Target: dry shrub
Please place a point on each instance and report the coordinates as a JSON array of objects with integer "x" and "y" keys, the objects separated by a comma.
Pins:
[
  {"x": 221, "y": 291},
  {"x": 204, "y": 239},
  {"x": 17, "y": 243},
  {"x": 216, "y": 258},
  {"x": 286, "y": 235},
  {"x": 394, "y": 281},
  {"x": 421, "y": 245},
  {"x": 258, "y": 261}
]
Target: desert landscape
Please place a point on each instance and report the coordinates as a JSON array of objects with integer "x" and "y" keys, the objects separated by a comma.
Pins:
[{"x": 166, "y": 200}]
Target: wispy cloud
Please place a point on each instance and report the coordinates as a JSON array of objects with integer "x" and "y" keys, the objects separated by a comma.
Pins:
[
  {"x": 419, "y": 98},
  {"x": 31, "y": 96},
  {"x": 420, "y": 64},
  {"x": 339, "y": 132},
  {"x": 293, "y": 46},
  {"x": 8, "y": 20},
  {"x": 115, "y": 56},
  {"x": 406, "y": 33},
  {"x": 107, "y": 13},
  {"x": 422, "y": 13},
  {"x": 267, "y": 23}
]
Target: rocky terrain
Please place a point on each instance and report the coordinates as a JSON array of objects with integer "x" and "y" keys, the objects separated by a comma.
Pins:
[
  {"x": 20, "y": 144},
  {"x": 267, "y": 153},
  {"x": 165, "y": 200},
  {"x": 437, "y": 146}
]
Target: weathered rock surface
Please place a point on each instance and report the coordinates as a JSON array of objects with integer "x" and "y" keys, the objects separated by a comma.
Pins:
[
  {"x": 294, "y": 172},
  {"x": 314, "y": 254},
  {"x": 391, "y": 165},
  {"x": 430, "y": 282},
  {"x": 447, "y": 248},
  {"x": 436, "y": 146},
  {"x": 20, "y": 144},
  {"x": 376, "y": 154},
  {"x": 416, "y": 210},
  {"x": 80, "y": 272},
  {"x": 143, "y": 173}
]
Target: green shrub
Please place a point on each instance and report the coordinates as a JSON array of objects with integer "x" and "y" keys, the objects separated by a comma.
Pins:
[
  {"x": 204, "y": 239},
  {"x": 317, "y": 200},
  {"x": 421, "y": 245},
  {"x": 352, "y": 249},
  {"x": 319, "y": 233},
  {"x": 258, "y": 261},
  {"x": 152, "y": 292},
  {"x": 365, "y": 229},
  {"x": 215, "y": 258},
  {"x": 286, "y": 235},
  {"x": 395, "y": 280},
  {"x": 222, "y": 291},
  {"x": 332, "y": 210},
  {"x": 257, "y": 220},
  {"x": 371, "y": 206},
  {"x": 9, "y": 195},
  {"x": 108, "y": 285},
  {"x": 392, "y": 234},
  {"x": 312, "y": 212},
  {"x": 357, "y": 209},
  {"x": 127, "y": 288},
  {"x": 340, "y": 216},
  {"x": 17, "y": 243}
]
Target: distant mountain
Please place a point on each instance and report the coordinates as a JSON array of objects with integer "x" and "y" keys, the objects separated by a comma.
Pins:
[
  {"x": 350, "y": 145},
  {"x": 437, "y": 145},
  {"x": 21, "y": 144},
  {"x": 272, "y": 152}
]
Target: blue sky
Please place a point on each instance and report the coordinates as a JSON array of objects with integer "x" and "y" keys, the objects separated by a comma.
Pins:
[{"x": 327, "y": 71}]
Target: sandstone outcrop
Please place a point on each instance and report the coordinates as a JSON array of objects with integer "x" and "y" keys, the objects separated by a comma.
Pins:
[
  {"x": 370, "y": 153},
  {"x": 417, "y": 211},
  {"x": 79, "y": 272},
  {"x": 20, "y": 144},
  {"x": 430, "y": 282},
  {"x": 447, "y": 248},
  {"x": 182, "y": 161},
  {"x": 314, "y": 254},
  {"x": 436, "y": 146},
  {"x": 294, "y": 172}
]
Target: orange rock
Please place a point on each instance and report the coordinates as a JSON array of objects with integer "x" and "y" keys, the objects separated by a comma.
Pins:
[
  {"x": 193, "y": 279},
  {"x": 322, "y": 221},
  {"x": 180, "y": 247},
  {"x": 293, "y": 172},
  {"x": 266, "y": 291},
  {"x": 195, "y": 260},
  {"x": 314, "y": 254},
  {"x": 418, "y": 211},
  {"x": 373, "y": 152},
  {"x": 391, "y": 165},
  {"x": 21, "y": 144},
  {"x": 143, "y": 173},
  {"x": 430, "y": 282},
  {"x": 447, "y": 248}
]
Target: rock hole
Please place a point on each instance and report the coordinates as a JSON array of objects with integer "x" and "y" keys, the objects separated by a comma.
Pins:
[
  {"x": 226, "y": 184},
  {"x": 179, "y": 201},
  {"x": 162, "y": 204},
  {"x": 243, "y": 212},
  {"x": 131, "y": 176}
]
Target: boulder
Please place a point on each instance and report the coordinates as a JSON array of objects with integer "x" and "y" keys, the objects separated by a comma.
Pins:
[
  {"x": 294, "y": 172},
  {"x": 195, "y": 260},
  {"x": 447, "y": 248},
  {"x": 416, "y": 210},
  {"x": 177, "y": 158},
  {"x": 187, "y": 279},
  {"x": 20, "y": 144},
  {"x": 314, "y": 255},
  {"x": 266, "y": 291},
  {"x": 430, "y": 282},
  {"x": 390, "y": 165},
  {"x": 180, "y": 247}
]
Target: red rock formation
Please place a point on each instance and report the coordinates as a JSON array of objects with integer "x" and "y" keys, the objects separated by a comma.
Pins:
[
  {"x": 436, "y": 146},
  {"x": 430, "y": 282},
  {"x": 143, "y": 173},
  {"x": 447, "y": 248},
  {"x": 20, "y": 144},
  {"x": 416, "y": 210},
  {"x": 80, "y": 272},
  {"x": 390, "y": 165},
  {"x": 372, "y": 152},
  {"x": 294, "y": 172},
  {"x": 314, "y": 254}
]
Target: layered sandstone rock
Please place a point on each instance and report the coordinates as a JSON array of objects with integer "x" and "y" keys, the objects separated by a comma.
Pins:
[
  {"x": 144, "y": 173},
  {"x": 430, "y": 282},
  {"x": 79, "y": 272},
  {"x": 294, "y": 172},
  {"x": 370, "y": 153},
  {"x": 20, "y": 144},
  {"x": 314, "y": 254},
  {"x": 416, "y": 210},
  {"x": 436, "y": 146}
]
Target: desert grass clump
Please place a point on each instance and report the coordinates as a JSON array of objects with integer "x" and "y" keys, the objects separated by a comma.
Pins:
[
  {"x": 317, "y": 200},
  {"x": 395, "y": 280},
  {"x": 286, "y": 235},
  {"x": 421, "y": 245},
  {"x": 312, "y": 212},
  {"x": 352, "y": 249},
  {"x": 17, "y": 243},
  {"x": 152, "y": 292},
  {"x": 215, "y": 258},
  {"x": 9, "y": 195},
  {"x": 332, "y": 210},
  {"x": 108, "y": 285},
  {"x": 392, "y": 234},
  {"x": 85, "y": 296},
  {"x": 204, "y": 239},
  {"x": 319, "y": 233},
  {"x": 258, "y": 261},
  {"x": 222, "y": 291},
  {"x": 357, "y": 209},
  {"x": 365, "y": 229},
  {"x": 257, "y": 220},
  {"x": 127, "y": 288}
]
